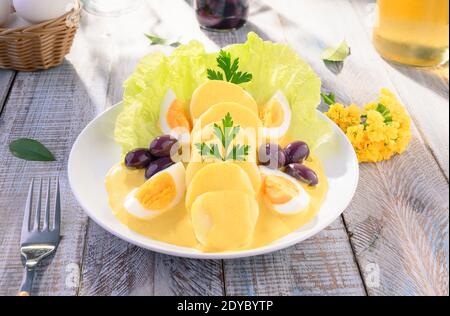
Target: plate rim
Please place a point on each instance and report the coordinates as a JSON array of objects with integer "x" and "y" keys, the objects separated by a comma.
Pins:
[{"x": 203, "y": 255}]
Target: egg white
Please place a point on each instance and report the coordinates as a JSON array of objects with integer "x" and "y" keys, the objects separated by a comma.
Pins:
[
  {"x": 167, "y": 102},
  {"x": 5, "y": 12},
  {"x": 298, "y": 203},
  {"x": 179, "y": 133},
  {"x": 164, "y": 125},
  {"x": 37, "y": 11},
  {"x": 278, "y": 132},
  {"x": 134, "y": 206}
]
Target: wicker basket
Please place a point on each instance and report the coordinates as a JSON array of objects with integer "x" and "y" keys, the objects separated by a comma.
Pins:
[{"x": 39, "y": 46}]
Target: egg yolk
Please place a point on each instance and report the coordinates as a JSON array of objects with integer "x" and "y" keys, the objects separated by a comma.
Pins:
[
  {"x": 177, "y": 116},
  {"x": 272, "y": 114},
  {"x": 279, "y": 190},
  {"x": 157, "y": 193}
]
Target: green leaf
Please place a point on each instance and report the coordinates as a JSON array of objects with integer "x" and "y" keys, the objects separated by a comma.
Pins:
[
  {"x": 200, "y": 148},
  {"x": 329, "y": 98},
  {"x": 228, "y": 121},
  {"x": 214, "y": 75},
  {"x": 156, "y": 40},
  {"x": 209, "y": 151},
  {"x": 240, "y": 77},
  {"x": 220, "y": 134},
  {"x": 239, "y": 153},
  {"x": 381, "y": 108},
  {"x": 226, "y": 134},
  {"x": 30, "y": 149},
  {"x": 215, "y": 151},
  {"x": 337, "y": 54},
  {"x": 230, "y": 70},
  {"x": 175, "y": 44}
]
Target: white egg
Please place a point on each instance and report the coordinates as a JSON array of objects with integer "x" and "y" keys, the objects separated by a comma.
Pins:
[
  {"x": 135, "y": 207},
  {"x": 16, "y": 22},
  {"x": 5, "y": 11},
  {"x": 297, "y": 198},
  {"x": 37, "y": 11},
  {"x": 276, "y": 125}
]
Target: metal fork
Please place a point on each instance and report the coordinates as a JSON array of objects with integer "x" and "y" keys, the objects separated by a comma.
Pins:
[{"x": 37, "y": 242}]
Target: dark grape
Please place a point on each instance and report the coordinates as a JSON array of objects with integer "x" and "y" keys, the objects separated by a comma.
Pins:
[
  {"x": 272, "y": 156},
  {"x": 157, "y": 166},
  {"x": 302, "y": 173},
  {"x": 138, "y": 158},
  {"x": 297, "y": 152},
  {"x": 162, "y": 146}
]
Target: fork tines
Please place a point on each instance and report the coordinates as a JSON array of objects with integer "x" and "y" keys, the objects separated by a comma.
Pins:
[{"x": 32, "y": 226}]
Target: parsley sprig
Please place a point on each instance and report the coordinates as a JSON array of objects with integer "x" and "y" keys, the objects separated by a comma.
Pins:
[
  {"x": 230, "y": 69},
  {"x": 226, "y": 133}
]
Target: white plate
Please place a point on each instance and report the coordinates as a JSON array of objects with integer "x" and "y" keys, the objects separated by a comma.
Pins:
[{"x": 95, "y": 152}]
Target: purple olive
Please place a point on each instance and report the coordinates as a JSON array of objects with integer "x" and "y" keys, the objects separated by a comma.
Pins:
[
  {"x": 272, "y": 156},
  {"x": 302, "y": 173},
  {"x": 157, "y": 166},
  {"x": 138, "y": 159},
  {"x": 162, "y": 146},
  {"x": 297, "y": 152}
]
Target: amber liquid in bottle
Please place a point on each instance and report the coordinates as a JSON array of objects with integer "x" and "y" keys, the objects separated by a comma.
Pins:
[{"x": 414, "y": 32}]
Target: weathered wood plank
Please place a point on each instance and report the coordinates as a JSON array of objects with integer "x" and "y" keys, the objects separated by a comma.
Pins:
[
  {"x": 399, "y": 217},
  {"x": 428, "y": 105},
  {"x": 6, "y": 80},
  {"x": 114, "y": 267},
  {"x": 54, "y": 119},
  {"x": 401, "y": 235},
  {"x": 322, "y": 265},
  {"x": 52, "y": 106},
  {"x": 110, "y": 265}
]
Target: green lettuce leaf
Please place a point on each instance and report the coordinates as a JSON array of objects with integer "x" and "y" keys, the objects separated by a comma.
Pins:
[
  {"x": 183, "y": 71},
  {"x": 273, "y": 66},
  {"x": 278, "y": 67},
  {"x": 188, "y": 69}
]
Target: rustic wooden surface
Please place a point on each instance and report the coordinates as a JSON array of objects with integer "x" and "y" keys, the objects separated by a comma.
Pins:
[{"x": 392, "y": 240}]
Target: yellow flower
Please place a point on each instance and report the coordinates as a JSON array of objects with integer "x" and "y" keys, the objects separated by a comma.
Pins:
[
  {"x": 343, "y": 116},
  {"x": 379, "y": 131}
]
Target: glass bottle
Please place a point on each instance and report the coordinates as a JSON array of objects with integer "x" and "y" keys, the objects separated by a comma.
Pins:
[
  {"x": 222, "y": 15},
  {"x": 414, "y": 32}
]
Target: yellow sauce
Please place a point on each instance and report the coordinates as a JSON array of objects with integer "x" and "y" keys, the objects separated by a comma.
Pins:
[{"x": 175, "y": 227}]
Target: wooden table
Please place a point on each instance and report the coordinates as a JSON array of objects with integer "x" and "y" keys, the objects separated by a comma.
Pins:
[{"x": 392, "y": 240}]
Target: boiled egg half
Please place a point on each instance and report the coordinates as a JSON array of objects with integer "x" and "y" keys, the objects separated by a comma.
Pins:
[
  {"x": 283, "y": 193},
  {"x": 160, "y": 193},
  {"x": 173, "y": 118},
  {"x": 276, "y": 116}
]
